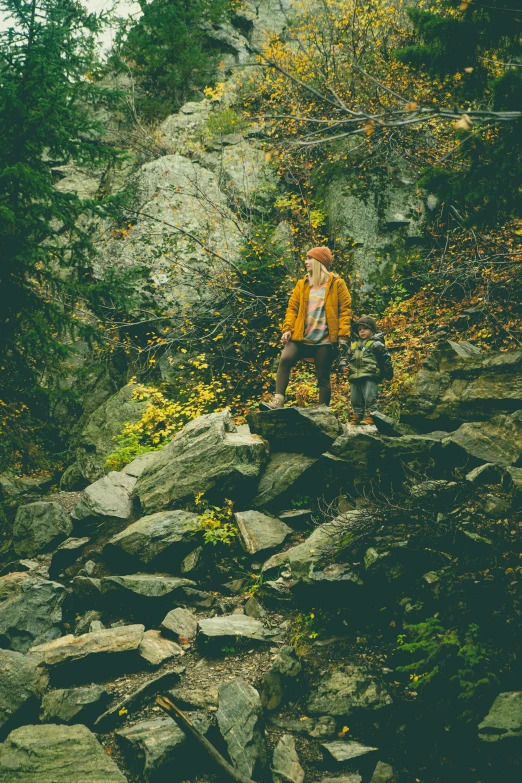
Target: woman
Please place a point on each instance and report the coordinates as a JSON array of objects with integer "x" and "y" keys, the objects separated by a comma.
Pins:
[{"x": 317, "y": 318}]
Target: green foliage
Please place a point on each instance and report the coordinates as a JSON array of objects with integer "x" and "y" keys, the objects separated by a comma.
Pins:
[
  {"x": 223, "y": 122},
  {"x": 450, "y": 663},
  {"x": 168, "y": 51},
  {"x": 216, "y": 523}
]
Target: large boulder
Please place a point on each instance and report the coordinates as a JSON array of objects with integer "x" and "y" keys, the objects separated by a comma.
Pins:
[
  {"x": 347, "y": 690},
  {"x": 281, "y": 477},
  {"x": 22, "y": 682},
  {"x": 457, "y": 383},
  {"x": 239, "y": 718},
  {"x": 258, "y": 532},
  {"x": 304, "y": 430},
  {"x": 96, "y": 440},
  {"x": 107, "y": 500},
  {"x": 56, "y": 754},
  {"x": 92, "y": 655},
  {"x": 157, "y": 540},
  {"x": 209, "y": 455},
  {"x": 30, "y": 611},
  {"x": 504, "y": 720},
  {"x": 498, "y": 440},
  {"x": 38, "y": 527}
]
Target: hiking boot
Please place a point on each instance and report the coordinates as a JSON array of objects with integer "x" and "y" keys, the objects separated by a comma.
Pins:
[
  {"x": 367, "y": 420},
  {"x": 278, "y": 401},
  {"x": 355, "y": 418}
]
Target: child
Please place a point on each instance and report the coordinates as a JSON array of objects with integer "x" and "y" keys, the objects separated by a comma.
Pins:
[{"x": 367, "y": 362}]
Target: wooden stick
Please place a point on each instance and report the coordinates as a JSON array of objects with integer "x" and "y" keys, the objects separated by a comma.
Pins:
[{"x": 188, "y": 727}]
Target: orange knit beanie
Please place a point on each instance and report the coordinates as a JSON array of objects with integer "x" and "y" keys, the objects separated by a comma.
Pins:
[{"x": 322, "y": 254}]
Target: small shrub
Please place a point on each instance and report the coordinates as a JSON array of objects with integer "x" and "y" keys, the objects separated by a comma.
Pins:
[{"x": 216, "y": 523}]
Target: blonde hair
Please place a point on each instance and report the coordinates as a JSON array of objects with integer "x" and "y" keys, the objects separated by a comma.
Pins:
[{"x": 319, "y": 274}]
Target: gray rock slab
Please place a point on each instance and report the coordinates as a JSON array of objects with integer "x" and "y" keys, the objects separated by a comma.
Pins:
[
  {"x": 31, "y": 613},
  {"x": 488, "y": 473},
  {"x": 342, "y": 751},
  {"x": 281, "y": 473},
  {"x": 56, "y": 754},
  {"x": 504, "y": 720},
  {"x": 254, "y": 609},
  {"x": 303, "y": 430},
  {"x": 145, "y": 585},
  {"x": 285, "y": 762},
  {"x": 109, "y": 498},
  {"x": 350, "y": 777},
  {"x": 180, "y": 622},
  {"x": 39, "y": 527},
  {"x": 156, "y": 649},
  {"x": 74, "y": 705},
  {"x": 346, "y": 690},
  {"x": 233, "y": 625},
  {"x": 167, "y": 534},
  {"x": 239, "y": 718},
  {"x": 209, "y": 455},
  {"x": 383, "y": 773},
  {"x": 498, "y": 440},
  {"x": 22, "y": 682},
  {"x": 259, "y": 531},
  {"x": 153, "y": 746},
  {"x": 138, "y": 465}
]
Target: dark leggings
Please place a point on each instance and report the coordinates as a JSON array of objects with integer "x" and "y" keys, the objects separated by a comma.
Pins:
[{"x": 322, "y": 355}]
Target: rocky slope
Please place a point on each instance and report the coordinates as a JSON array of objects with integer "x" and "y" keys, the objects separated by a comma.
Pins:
[{"x": 282, "y": 645}]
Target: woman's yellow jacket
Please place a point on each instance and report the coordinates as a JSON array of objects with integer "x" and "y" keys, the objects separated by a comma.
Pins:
[{"x": 338, "y": 308}]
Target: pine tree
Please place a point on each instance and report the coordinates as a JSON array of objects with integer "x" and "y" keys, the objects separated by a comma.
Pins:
[{"x": 47, "y": 97}]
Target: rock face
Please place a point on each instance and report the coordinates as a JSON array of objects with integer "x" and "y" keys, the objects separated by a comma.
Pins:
[
  {"x": 22, "y": 682},
  {"x": 457, "y": 383},
  {"x": 107, "y": 499},
  {"x": 209, "y": 455},
  {"x": 305, "y": 430},
  {"x": 239, "y": 716},
  {"x": 158, "y": 540},
  {"x": 74, "y": 705},
  {"x": 498, "y": 440},
  {"x": 39, "y": 526},
  {"x": 504, "y": 720},
  {"x": 96, "y": 441},
  {"x": 347, "y": 690},
  {"x": 280, "y": 476},
  {"x": 258, "y": 531},
  {"x": 285, "y": 762},
  {"x": 31, "y": 612},
  {"x": 92, "y": 655},
  {"x": 56, "y": 754}
]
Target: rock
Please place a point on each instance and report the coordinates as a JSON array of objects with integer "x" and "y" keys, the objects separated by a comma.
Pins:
[
  {"x": 96, "y": 440},
  {"x": 348, "y": 689},
  {"x": 74, "y": 705},
  {"x": 239, "y": 719},
  {"x": 343, "y": 751},
  {"x": 136, "y": 698},
  {"x": 325, "y": 539},
  {"x": 303, "y": 430},
  {"x": 198, "y": 598},
  {"x": 22, "y": 682},
  {"x": 56, "y": 754},
  {"x": 155, "y": 648},
  {"x": 159, "y": 747},
  {"x": 496, "y": 507},
  {"x": 237, "y": 626},
  {"x": 31, "y": 612},
  {"x": 324, "y": 727},
  {"x": 285, "y": 668},
  {"x": 458, "y": 384},
  {"x": 159, "y": 539},
  {"x": 386, "y": 425},
  {"x": 359, "y": 453},
  {"x": 91, "y": 655},
  {"x": 195, "y": 698},
  {"x": 209, "y": 455},
  {"x": 39, "y": 527},
  {"x": 192, "y": 562},
  {"x": 488, "y": 473},
  {"x": 69, "y": 551},
  {"x": 180, "y": 622},
  {"x": 258, "y": 531},
  {"x": 280, "y": 477},
  {"x": 504, "y": 720},
  {"x": 383, "y": 773},
  {"x": 108, "y": 499},
  {"x": 138, "y": 465},
  {"x": 350, "y": 777},
  {"x": 254, "y": 609},
  {"x": 146, "y": 596},
  {"x": 498, "y": 440},
  {"x": 297, "y": 518},
  {"x": 285, "y": 762},
  {"x": 13, "y": 488},
  {"x": 512, "y": 481}
]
